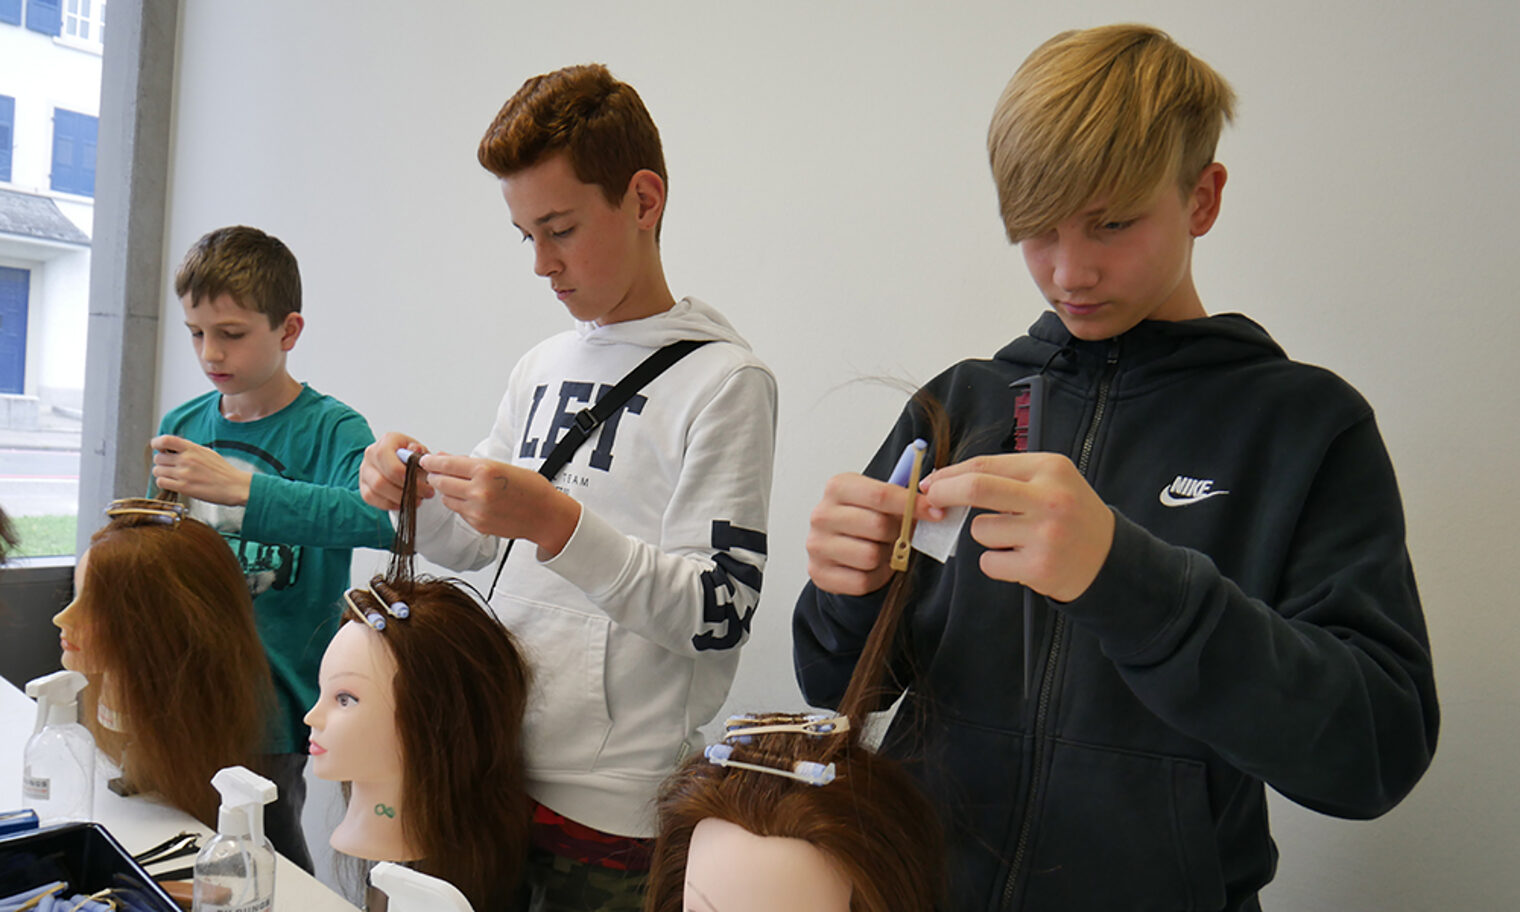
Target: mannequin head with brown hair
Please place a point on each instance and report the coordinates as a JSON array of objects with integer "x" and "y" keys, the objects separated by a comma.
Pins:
[
  {"x": 162, "y": 625},
  {"x": 736, "y": 839},
  {"x": 794, "y": 811},
  {"x": 421, "y": 711}
]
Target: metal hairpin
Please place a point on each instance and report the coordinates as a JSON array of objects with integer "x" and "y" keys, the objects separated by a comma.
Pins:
[
  {"x": 390, "y": 598},
  {"x": 369, "y": 616},
  {"x": 169, "y": 511},
  {"x": 817, "y": 725},
  {"x": 807, "y": 771}
]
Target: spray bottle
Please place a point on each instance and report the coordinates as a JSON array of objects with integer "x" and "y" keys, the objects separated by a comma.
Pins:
[
  {"x": 412, "y": 891},
  {"x": 235, "y": 871},
  {"x": 58, "y": 777}
]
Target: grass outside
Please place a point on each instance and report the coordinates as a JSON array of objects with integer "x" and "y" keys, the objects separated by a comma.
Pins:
[{"x": 44, "y": 536}]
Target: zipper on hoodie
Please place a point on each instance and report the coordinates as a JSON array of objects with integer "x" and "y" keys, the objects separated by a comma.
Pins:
[{"x": 1057, "y": 639}]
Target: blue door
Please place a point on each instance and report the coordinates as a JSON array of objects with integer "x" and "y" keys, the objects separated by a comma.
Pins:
[{"x": 13, "y": 288}]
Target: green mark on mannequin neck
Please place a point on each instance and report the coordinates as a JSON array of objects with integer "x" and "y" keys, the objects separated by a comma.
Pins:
[{"x": 385, "y": 810}]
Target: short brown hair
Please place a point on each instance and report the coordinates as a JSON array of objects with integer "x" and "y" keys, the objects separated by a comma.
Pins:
[
  {"x": 1106, "y": 114},
  {"x": 599, "y": 122},
  {"x": 255, "y": 268}
]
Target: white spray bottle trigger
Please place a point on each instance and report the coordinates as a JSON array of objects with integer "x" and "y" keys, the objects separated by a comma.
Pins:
[
  {"x": 413, "y": 891},
  {"x": 244, "y": 794},
  {"x": 57, "y": 697}
]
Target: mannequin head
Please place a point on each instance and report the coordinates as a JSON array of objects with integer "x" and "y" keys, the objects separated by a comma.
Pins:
[
  {"x": 162, "y": 625},
  {"x": 356, "y": 714},
  {"x": 734, "y": 839},
  {"x": 424, "y": 720},
  {"x": 738, "y": 833}
]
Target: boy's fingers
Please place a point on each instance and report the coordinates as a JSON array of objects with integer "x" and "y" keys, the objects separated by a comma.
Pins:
[
  {"x": 988, "y": 492},
  {"x": 169, "y": 443},
  {"x": 1015, "y": 466},
  {"x": 854, "y": 490},
  {"x": 445, "y": 464}
]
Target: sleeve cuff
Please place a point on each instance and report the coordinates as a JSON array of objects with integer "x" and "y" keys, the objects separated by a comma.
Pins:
[
  {"x": 1135, "y": 605},
  {"x": 594, "y": 557}
]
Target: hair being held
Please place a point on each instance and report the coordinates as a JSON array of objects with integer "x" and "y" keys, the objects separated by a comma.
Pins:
[{"x": 461, "y": 689}]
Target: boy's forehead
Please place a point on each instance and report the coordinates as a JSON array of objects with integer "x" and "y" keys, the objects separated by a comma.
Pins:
[
  {"x": 546, "y": 189},
  {"x": 220, "y": 308}
]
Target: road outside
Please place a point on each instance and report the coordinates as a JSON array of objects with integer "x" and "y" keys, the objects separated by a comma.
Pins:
[{"x": 39, "y": 483}]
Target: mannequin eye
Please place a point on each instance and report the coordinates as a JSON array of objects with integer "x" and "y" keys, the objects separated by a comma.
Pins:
[{"x": 346, "y": 699}]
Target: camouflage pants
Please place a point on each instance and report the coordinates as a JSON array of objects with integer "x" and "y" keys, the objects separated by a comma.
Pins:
[{"x": 562, "y": 885}]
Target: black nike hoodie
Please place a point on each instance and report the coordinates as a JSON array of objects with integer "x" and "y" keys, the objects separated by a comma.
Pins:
[{"x": 1256, "y": 621}]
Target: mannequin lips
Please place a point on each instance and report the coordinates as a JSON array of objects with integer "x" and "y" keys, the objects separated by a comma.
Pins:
[{"x": 315, "y": 749}]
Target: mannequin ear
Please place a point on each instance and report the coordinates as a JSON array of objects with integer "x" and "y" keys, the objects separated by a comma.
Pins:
[
  {"x": 1203, "y": 202},
  {"x": 646, "y": 190},
  {"x": 290, "y": 330}
]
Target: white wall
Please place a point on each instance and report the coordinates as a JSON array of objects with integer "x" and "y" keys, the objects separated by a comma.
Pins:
[{"x": 829, "y": 191}]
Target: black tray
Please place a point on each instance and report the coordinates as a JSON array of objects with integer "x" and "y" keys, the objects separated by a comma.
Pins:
[{"x": 83, "y": 854}]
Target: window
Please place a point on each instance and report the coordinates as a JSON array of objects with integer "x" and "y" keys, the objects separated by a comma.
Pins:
[
  {"x": 84, "y": 22},
  {"x": 45, "y": 16},
  {"x": 74, "y": 152},
  {"x": 7, "y": 131}
]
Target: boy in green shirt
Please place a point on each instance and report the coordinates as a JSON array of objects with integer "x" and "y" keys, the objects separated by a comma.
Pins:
[{"x": 274, "y": 466}]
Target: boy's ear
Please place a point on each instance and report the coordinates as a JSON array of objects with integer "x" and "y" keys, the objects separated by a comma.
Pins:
[
  {"x": 647, "y": 191},
  {"x": 290, "y": 330},
  {"x": 1204, "y": 200}
]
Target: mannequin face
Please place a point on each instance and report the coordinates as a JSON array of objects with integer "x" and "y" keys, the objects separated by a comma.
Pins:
[
  {"x": 353, "y": 724},
  {"x": 730, "y": 869},
  {"x": 73, "y": 623}
]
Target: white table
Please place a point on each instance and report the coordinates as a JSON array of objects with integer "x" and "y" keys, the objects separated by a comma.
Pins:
[{"x": 140, "y": 822}]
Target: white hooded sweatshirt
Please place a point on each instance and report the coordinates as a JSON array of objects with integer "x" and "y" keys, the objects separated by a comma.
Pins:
[{"x": 633, "y": 630}]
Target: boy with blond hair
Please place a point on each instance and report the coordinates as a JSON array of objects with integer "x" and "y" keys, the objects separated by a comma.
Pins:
[
  {"x": 1212, "y": 534},
  {"x": 273, "y": 465},
  {"x": 642, "y": 558}
]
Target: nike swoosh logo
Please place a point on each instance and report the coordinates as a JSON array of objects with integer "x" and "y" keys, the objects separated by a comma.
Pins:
[{"x": 1168, "y": 499}]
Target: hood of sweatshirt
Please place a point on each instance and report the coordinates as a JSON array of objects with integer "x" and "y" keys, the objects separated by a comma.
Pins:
[
  {"x": 688, "y": 319},
  {"x": 1153, "y": 346}
]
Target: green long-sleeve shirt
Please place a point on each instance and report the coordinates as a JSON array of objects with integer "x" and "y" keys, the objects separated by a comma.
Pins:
[{"x": 295, "y": 538}]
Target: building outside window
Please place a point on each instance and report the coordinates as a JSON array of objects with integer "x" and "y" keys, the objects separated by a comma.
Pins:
[
  {"x": 50, "y": 67},
  {"x": 84, "y": 23}
]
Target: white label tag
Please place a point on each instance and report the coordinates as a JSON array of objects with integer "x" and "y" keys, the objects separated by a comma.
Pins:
[
  {"x": 36, "y": 789},
  {"x": 937, "y": 539}
]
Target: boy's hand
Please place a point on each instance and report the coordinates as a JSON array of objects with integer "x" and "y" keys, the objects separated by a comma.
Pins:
[
  {"x": 195, "y": 471},
  {"x": 382, "y": 474},
  {"x": 1049, "y": 530},
  {"x": 504, "y": 500},
  {"x": 851, "y": 531}
]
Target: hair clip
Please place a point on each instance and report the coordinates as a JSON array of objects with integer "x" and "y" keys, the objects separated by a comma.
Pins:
[
  {"x": 366, "y": 613},
  {"x": 743, "y": 728},
  {"x": 390, "y": 598},
  {"x": 808, "y": 771},
  {"x": 169, "y": 511},
  {"x": 904, "y": 543}
]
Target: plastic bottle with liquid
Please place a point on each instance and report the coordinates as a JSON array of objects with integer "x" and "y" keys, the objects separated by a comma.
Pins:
[
  {"x": 234, "y": 872},
  {"x": 58, "y": 770}
]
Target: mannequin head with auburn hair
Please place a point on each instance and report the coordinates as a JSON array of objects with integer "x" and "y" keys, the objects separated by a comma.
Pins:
[
  {"x": 737, "y": 834},
  {"x": 735, "y": 839},
  {"x": 423, "y": 719},
  {"x": 162, "y": 625}
]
